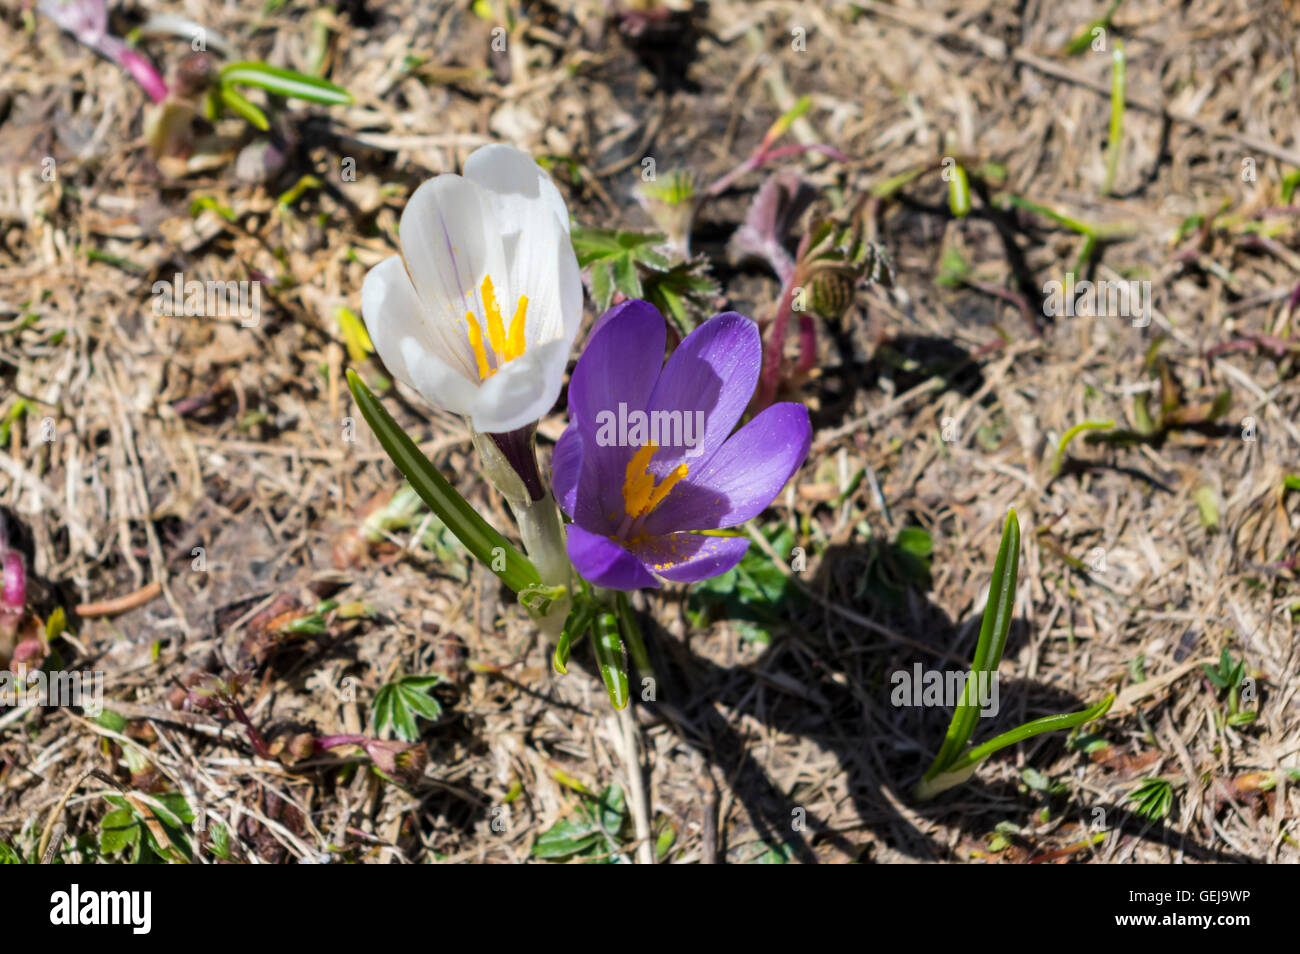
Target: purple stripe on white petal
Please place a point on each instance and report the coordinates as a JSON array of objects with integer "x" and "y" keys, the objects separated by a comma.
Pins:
[
  {"x": 742, "y": 478},
  {"x": 687, "y": 557},
  {"x": 602, "y": 562},
  {"x": 713, "y": 370}
]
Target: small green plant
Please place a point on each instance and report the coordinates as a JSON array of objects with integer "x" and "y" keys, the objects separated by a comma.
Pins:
[
  {"x": 147, "y": 829},
  {"x": 956, "y": 762},
  {"x": 594, "y": 833},
  {"x": 399, "y": 703},
  {"x": 1154, "y": 797},
  {"x": 289, "y": 84},
  {"x": 613, "y": 256},
  {"x": 1231, "y": 677}
]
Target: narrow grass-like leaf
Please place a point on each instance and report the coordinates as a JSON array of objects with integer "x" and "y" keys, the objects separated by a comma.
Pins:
[
  {"x": 632, "y": 636},
  {"x": 236, "y": 101},
  {"x": 609, "y": 655},
  {"x": 988, "y": 652},
  {"x": 575, "y": 627},
  {"x": 478, "y": 536},
  {"x": 289, "y": 83},
  {"x": 1050, "y": 723},
  {"x": 959, "y": 192},
  {"x": 1071, "y": 434},
  {"x": 1117, "y": 82}
]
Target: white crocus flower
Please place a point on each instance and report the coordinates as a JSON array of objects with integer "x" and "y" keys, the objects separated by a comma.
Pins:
[{"x": 479, "y": 312}]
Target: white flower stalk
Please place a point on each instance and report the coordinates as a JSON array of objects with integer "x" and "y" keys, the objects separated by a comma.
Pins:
[{"x": 479, "y": 311}]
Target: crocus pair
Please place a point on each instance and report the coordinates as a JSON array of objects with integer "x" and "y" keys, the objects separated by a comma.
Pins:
[{"x": 478, "y": 314}]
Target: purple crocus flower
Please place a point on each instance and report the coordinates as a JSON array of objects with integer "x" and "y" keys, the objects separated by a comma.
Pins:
[{"x": 649, "y": 455}]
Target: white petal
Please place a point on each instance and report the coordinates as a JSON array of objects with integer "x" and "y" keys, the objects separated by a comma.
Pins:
[
  {"x": 392, "y": 311},
  {"x": 450, "y": 240},
  {"x": 395, "y": 320},
  {"x": 515, "y": 180},
  {"x": 437, "y": 383},
  {"x": 523, "y": 390},
  {"x": 535, "y": 235}
]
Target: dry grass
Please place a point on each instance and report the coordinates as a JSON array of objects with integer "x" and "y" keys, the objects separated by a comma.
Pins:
[{"x": 177, "y": 433}]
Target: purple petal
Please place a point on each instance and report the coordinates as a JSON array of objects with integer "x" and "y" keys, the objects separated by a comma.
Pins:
[
  {"x": 713, "y": 370},
  {"x": 566, "y": 466},
  {"x": 687, "y": 557},
  {"x": 742, "y": 478},
  {"x": 620, "y": 365},
  {"x": 601, "y": 561}
]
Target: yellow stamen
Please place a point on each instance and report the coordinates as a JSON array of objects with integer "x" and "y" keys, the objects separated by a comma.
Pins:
[
  {"x": 476, "y": 342},
  {"x": 515, "y": 345},
  {"x": 668, "y": 484},
  {"x": 495, "y": 329},
  {"x": 638, "y": 485},
  {"x": 640, "y": 495},
  {"x": 502, "y": 348}
]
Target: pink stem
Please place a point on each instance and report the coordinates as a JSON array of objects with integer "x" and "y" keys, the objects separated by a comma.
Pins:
[
  {"x": 14, "y": 595},
  {"x": 144, "y": 74},
  {"x": 774, "y": 352},
  {"x": 807, "y": 344}
]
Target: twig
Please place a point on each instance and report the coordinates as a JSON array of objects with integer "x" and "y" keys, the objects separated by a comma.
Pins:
[
  {"x": 120, "y": 604},
  {"x": 636, "y": 788}
]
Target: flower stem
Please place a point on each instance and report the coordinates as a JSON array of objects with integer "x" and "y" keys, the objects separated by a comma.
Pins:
[{"x": 542, "y": 531}]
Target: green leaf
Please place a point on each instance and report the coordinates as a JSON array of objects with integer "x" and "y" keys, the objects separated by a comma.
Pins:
[
  {"x": 594, "y": 830},
  {"x": 219, "y": 844},
  {"x": 118, "y": 830},
  {"x": 625, "y": 276},
  {"x": 1155, "y": 796},
  {"x": 236, "y": 101},
  {"x": 613, "y": 257},
  {"x": 1117, "y": 84},
  {"x": 464, "y": 521},
  {"x": 602, "y": 286},
  {"x": 288, "y": 83},
  {"x": 998, "y": 614},
  {"x": 399, "y": 703},
  {"x": 1071, "y": 434},
  {"x": 1082, "y": 40},
  {"x": 1050, "y": 723},
  {"x": 609, "y": 656},
  {"x": 565, "y": 839},
  {"x": 1208, "y": 506},
  {"x": 575, "y": 627},
  {"x": 959, "y": 192}
]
